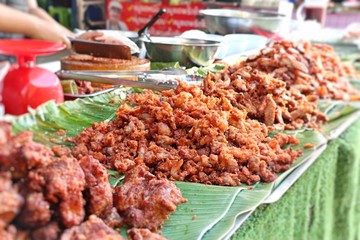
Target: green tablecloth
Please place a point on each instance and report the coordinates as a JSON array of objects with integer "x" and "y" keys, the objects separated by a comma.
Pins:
[{"x": 323, "y": 204}]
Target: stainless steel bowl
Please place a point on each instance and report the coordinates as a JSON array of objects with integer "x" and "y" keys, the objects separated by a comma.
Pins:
[
  {"x": 187, "y": 52},
  {"x": 227, "y": 21}
]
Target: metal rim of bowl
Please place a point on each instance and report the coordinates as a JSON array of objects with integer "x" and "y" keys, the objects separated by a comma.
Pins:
[
  {"x": 219, "y": 12},
  {"x": 191, "y": 42}
]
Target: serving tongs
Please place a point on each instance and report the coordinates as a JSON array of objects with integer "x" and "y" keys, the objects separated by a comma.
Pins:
[{"x": 157, "y": 80}]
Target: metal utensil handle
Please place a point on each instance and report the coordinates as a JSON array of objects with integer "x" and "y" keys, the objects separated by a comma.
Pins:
[
  {"x": 117, "y": 73},
  {"x": 148, "y": 84},
  {"x": 152, "y": 21}
]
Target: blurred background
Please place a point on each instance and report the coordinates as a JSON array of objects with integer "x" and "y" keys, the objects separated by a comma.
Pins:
[{"x": 93, "y": 14}]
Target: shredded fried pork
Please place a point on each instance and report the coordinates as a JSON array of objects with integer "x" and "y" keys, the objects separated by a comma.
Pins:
[
  {"x": 312, "y": 69},
  {"x": 265, "y": 98}
]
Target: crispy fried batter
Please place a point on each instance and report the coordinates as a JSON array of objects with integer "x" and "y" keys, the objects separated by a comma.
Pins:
[
  {"x": 146, "y": 201},
  {"x": 5, "y": 133},
  {"x": 111, "y": 217},
  {"x": 93, "y": 228},
  {"x": 10, "y": 200},
  {"x": 143, "y": 234},
  {"x": 62, "y": 182},
  {"x": 98, "y": 191},
  {"x": 36, "y": 211},
  {"x": 50, "y": 231},
  {"x": 59, "y": 150},
  {"x": 51, "y": 191},
  {"x": 20, "y": 154},
  {"x": 8, "y": 233}
]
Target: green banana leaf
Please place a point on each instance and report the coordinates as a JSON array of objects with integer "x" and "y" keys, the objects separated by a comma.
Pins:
[
  {"x": 246, "y": 200},
  {"x": 340, "y": 115},
  {"x": 305, "y": 136},
  {"x": 334, "y": 128},
  {"x": 337, "y": 109},
  {"x": 115, "y": 178},
  {"x": 71, "y": 116},
  {"x": 206, "y": 206},
  {"x": 355, "y": 82}
]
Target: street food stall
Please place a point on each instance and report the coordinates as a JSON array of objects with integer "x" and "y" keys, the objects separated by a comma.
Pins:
[{"x": 184, "y": 121}]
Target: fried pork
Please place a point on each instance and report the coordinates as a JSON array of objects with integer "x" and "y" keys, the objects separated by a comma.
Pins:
[
  {"x": 185, "y": 135},
  {"x": 8, "y": 233},
  {"x": 265, "y": 98},
  {"x": 36, "y": 211},
  {"x": 20, "y": 154},
  {"x": 312, "y": 69},
  {"x": 50, "y": 188},
  {"x": 111, "y": 217},
  {"x": 98, "y": 190},
  {"x": 10, "y": 200},
  {"x": 145, "y": 201},
  {"x": 50, "y": 231},
  {"x": 62, "y": 182},
  {"x": 93, "y": 228},
  {"x": 143, "y": 234}
]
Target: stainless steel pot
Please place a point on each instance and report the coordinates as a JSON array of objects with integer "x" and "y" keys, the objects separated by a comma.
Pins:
[{"x": 227, "y": 21}]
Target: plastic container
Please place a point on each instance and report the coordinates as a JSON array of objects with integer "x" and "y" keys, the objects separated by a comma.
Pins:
[{"x": 26, "y": 85}]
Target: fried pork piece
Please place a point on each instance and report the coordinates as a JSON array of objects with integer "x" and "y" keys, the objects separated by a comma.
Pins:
[
  {"x": 5, "y": 133},
  {"x": 145, "y": 201},
  {"x": 8, "y": 233},
  {"x": 185, "y": 135},
  {"x": 265, "y": 98},
  {"x": 111, "y": 217},
  {"x": 312, "y": 69},
  {"x": 22, "y": 234},
  {"x": 93, "y": 228},
  {"x": 10, "y": 200},
  {"x": 98, "y": 191},
  {"x": 62, "y": 182},
  {"x": 50, "y": 231},
  {"x": 19, "y": 154},
  {"x": 36, "y": 211},
  {"x": 61, "y": 150},
  {"x": 143, "y": 234},
  {"x": 84, "y": 87}
]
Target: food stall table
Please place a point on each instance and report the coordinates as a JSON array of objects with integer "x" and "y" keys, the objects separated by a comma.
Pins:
[{"x": 323, "y": 203}]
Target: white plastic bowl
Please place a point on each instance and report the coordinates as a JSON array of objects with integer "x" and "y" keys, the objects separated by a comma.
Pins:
[
  {"x": 240, "y": 43},
  {"x": 231, "y": 44}
]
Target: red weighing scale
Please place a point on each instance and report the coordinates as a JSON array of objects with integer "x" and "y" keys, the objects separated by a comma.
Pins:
[{"x": 27, "y": 85}]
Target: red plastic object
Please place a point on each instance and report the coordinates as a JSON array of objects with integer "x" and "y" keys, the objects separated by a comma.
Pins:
[
  {"x": 267, "y": 34},
  {"x": 27, "y": 85}
]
